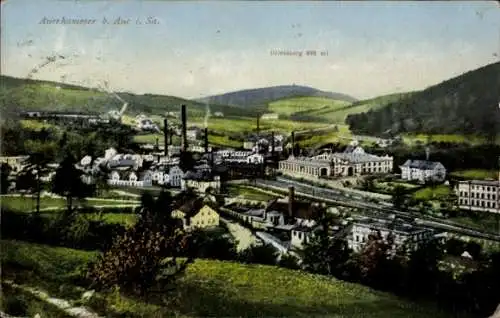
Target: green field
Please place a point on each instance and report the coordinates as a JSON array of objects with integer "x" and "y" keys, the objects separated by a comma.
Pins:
[
  {"x": 475, "y": 174},
  {"x": 249, "y": 193},
  {"x": 432, "y": 193},
  {"x": 212, "y": 288},
  {"x": 293, "y": 105},
  {"x": 28, "y": 203}
]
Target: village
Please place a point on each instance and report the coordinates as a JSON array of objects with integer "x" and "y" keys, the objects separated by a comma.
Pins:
[{"x": 288, "y": 218}]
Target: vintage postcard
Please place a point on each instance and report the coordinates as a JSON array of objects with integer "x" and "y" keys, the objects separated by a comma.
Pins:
[{"x": 250, "y": 158}]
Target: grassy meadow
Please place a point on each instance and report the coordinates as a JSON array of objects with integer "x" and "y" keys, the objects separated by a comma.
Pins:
[
  {"x": 475, "y": 174},
  {"x": 28, "y": 203},
  {"x": 209, "y": 288},
  {"x": 249, "y": 193},
  {"x": 433, "y": 193},
  {"x": 308, "y": 105}
]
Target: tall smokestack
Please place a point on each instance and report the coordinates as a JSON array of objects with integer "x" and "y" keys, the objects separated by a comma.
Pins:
[
  {"x": 258, "y": 126},
  {"x": 165, "y": 136},
  {"x": 291, "y": 199},
  {"x": 206, "y": 140},
  {"x": 293, "y": 143},
  {"x": 157, "y": 143},
  {"x": 184, "y": 128},
  {"x": 272, "y": 143},
  {"x": 427, "y": 153}
]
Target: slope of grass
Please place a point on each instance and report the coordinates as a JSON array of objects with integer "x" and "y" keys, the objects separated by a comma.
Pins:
[
  {"x": 432, "y": 193},
  {"x": 290, "y": 106},
  {"x": 475, "y": 174},
  {"x": 228, "y": 289},
  {"x": 249, "y": 193},
  {"x": 339, "y": 113},
  {"x": 28, "y": 203}
]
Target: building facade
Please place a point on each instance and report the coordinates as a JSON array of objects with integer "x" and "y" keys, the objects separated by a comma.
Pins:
[
  {"x": 479, "y": 195},
  {"x": 303, "y": 166},
  {"x": 403, "y": 233},
  {"x": 423, "y": 171}
]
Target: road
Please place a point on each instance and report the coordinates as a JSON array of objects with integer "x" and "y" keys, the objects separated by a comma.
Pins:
[
  {"x": 243, "y": 235},
  {"x": 358, "y": 201}
]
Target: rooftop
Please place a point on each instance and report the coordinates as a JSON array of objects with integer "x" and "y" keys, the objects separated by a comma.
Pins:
[
  {"x": 421, "y": 164},
  {"x": 359, "y": 157},
  {"x": 396, "y": 226}
]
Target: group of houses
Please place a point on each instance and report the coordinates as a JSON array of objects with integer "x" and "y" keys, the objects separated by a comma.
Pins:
[{"x": 300, "y": 221}]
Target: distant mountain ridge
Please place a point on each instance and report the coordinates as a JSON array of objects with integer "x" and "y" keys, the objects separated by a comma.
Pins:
[
  {"x": 256, "y": 97},
  {"x": 466, "y": 104}
]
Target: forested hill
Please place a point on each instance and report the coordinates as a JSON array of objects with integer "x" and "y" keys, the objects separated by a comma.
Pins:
[
  {"x": 28, "y": 94},
  {"x": 467, "y": 104},
  {"x": 250, "y": 98}
]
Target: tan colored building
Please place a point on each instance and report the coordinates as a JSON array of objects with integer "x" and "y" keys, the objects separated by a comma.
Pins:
[{"x": 196, "y": 214}]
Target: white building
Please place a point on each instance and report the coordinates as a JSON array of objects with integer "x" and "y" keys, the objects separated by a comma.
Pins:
[
  {"x": 218, "y": 114},
  {"x": 255, "y": 158},
  {"x": 402, "y": 232},
  {"x": 304, "y": 166},
  {"x": 270, "y": 116},
  {"x": 130, "y": 179},
  {"x": 479, "y": 195},
  {"x": 175, "y": 175},
  {"x": 423, "y": 171},
  {"x": 200, "y": 182}
]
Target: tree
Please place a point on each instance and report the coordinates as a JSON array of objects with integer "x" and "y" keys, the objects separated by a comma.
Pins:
[
  {"x": 213, "y": 245},
  {"x": 398, "y": 197},
  {"x": 147, "y": 255},
  {"x": 68, "y": 183},
  {"x": 186, "y": 161},
  {"x": 324, "y": 254},
  {"x": 373, "y": 259},
  {"x": 259, "y": 254},
  {"x": 423, "y": 271},
  {"x": 29, "y": 177},
  {"x": 289, "y": 261},
  {"x": 5, "y": 171}
]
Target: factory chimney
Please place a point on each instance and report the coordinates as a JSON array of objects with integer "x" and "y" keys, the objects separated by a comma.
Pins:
[
  {"x": 157, "y": 146},
  {"x": 272, "y": 143},
  {"x": 291, "y": 199},
  {"x": 293, "y": 143},
  {"x": 165, "y": 136},
  {"x": 184, "y": 128},
  {"x": 427, "y": 153},
  {"x": 258, "y": 125},
  {"x": 206, "y": 140}
]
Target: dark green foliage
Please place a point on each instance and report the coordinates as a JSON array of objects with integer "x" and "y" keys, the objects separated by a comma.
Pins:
[
  {"x": 67, "y": 181},
  {"x": 73, "y": 230},
  {"x": 324, "y": 254},
  {"x": 213, "y": 245},
  {"x": 137, "y": 260},
  {"x": 5, "y": 171},
  {"x": 463, "y": 105},
  {"x": 398, "y": 197},
  {"x": 259, "y": 254},
  {"x": 186, "y": 161},
  {"x": 289, "y": 261}
]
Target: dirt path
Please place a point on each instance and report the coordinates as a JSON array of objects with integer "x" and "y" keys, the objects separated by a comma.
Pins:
[{"x": 81, "y": 312}]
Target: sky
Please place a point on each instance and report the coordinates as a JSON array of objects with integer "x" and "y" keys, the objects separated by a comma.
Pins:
[{"x": 197, "y": 49}]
